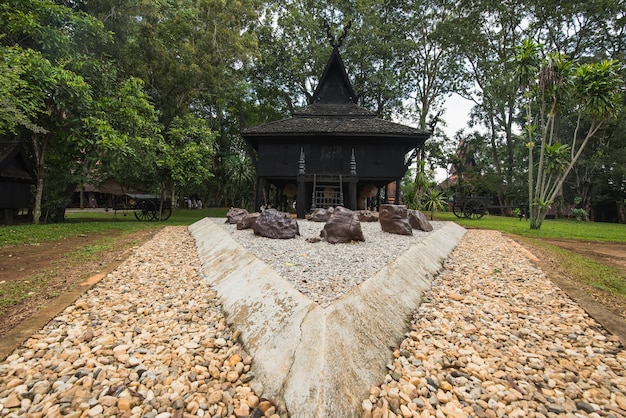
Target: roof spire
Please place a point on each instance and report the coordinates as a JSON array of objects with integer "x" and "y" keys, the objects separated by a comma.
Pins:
[{"x": 333, "y": 42}]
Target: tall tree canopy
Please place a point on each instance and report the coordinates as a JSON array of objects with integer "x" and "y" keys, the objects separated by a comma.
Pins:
[
  {"x": 54, "y": 53},
  {"x": 156, "y": 93},
  {"x": 489, "y": 32},
  {"x": 556, "y": 86}
]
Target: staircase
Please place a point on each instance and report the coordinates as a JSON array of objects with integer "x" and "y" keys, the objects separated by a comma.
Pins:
[{"x": 327, "y": 191}]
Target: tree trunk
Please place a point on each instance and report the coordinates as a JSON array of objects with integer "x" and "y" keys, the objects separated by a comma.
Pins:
[
  {"x": 532, "y": 215},
  {"x": 58, "y": 214},
  {"x": 537, "y": 216},
  {"x": 38, "y": 197},
  {"x": 621, "y": 211},
  {"x": 39, "y": 148}
]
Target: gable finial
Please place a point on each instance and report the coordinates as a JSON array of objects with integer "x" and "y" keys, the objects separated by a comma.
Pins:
[
  {"x": 333, "y": 42},
  {"x": 345, "y": 32}
]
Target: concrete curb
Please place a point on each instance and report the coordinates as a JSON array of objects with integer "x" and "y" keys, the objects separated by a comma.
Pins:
[{"x": 318, "y": 362}]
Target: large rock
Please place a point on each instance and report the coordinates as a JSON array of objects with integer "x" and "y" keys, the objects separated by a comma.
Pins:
[
  {"x": 234, "y": 215},
  {"x": 419, "y": 221},
  {"x": 248, "y": 220},
  {"x": 368, "y": 216},
  {"x": 394, "y": 219},
  {"x": 321, "y": 214},
  {"x": 343, "y": 226},
  {"x": 276, "y": 225}
]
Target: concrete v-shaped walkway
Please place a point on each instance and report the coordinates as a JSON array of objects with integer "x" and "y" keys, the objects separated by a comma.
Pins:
[{"x": 319, "y": 362}]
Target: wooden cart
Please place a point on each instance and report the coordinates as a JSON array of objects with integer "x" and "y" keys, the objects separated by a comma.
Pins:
[
  {"x": 149, "y": 207},
  {"x": 473, "y": 207}
]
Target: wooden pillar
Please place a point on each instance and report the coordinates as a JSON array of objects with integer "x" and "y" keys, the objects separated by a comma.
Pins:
[
  {"x": 301, "y": 198},
  {"x": 397, "y": 197},
  {"x": 301, "y": 191},
  {"x": 260, "y": 183},
  {"x": 278, "y": 194},
  {"x": 352, "y": 203},
  {"x": 8, "y": 216}
]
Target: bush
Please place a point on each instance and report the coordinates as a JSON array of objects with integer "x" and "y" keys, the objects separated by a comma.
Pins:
[{"x": 578, "y": 213}]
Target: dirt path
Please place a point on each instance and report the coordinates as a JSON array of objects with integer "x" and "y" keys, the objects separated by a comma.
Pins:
[
  {"x": 611, "y": 253},
  {"x": 604, "y": 306},
  {"x": 43, "y": 271}
]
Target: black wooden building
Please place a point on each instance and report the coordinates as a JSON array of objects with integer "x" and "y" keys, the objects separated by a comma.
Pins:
[
  {"x": 16, "y": 178},
  {"x": 331, "y": 152}
]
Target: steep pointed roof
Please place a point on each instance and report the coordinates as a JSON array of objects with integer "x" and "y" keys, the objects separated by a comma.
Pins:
[
  {"x": 14, "y": 164},
  {"x": 334, "y": 112},
  {"x": 334, "y": 86}
]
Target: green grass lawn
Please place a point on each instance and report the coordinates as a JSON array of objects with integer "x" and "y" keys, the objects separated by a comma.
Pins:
[
  {"x": 88, "y": 222},
  {"x": 551, "y": 228}
]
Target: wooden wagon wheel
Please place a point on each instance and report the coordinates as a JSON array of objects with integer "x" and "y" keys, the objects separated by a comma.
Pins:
[
  {"x": 145, "y": 210},
  {"x": 474, "y": 209},
  {"x": 166, "y": 212},
  {"x": 457, "y": 209}
]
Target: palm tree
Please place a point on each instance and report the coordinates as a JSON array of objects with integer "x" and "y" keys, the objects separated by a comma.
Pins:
[
  {"x": 239, "y": 176},
  {"x": 434, "y": 200}
]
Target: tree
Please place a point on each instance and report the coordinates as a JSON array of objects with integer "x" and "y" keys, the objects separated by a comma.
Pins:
[
  {"x": 51, "y": 97},
  {"x": 593, "y": 91},
  {"x": 82, "y": 116},
  {"x": 434, "y": 72},
  {"x": 188, "y": 153},
  {"x": 240, "y": 177},
  {"x": 435, "y": 200},
  {"x": 18, "y": 104},
  {"x": 487, "y": 32},
  {"x": 129, "y": 147},
  {"x": 193, "y": 57}
]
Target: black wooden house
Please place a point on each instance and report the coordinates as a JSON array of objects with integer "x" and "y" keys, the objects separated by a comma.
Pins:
[
  {"x": 331, "y": 152},
  {"x": 16, "y": 178}
]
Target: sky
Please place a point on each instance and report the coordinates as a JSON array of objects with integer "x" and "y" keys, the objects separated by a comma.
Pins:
[
  {"x": 456, "y": 114},
  {"x": 457, "y": 118}
]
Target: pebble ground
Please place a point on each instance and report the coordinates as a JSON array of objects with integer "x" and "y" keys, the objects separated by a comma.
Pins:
[
  {"x": 149, "y": 340},
  {"x": 494, "y": 338}
]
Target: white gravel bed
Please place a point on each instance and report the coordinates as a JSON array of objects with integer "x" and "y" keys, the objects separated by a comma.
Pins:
[{"x": 322, "y": 271}]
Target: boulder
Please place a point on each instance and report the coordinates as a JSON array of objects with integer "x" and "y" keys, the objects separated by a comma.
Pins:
[
  {"x": 368, "y": 216},
  {"x": 419, "y": 221},
  {"x": 394, "y": 219},
  {"x": 343, "y": 226},
  {"x": 321, "y": 214},
  {"x": 234, "y": 215},
  {"x": 248, "y": 220},
  {"x": 276, "y": 225}
]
